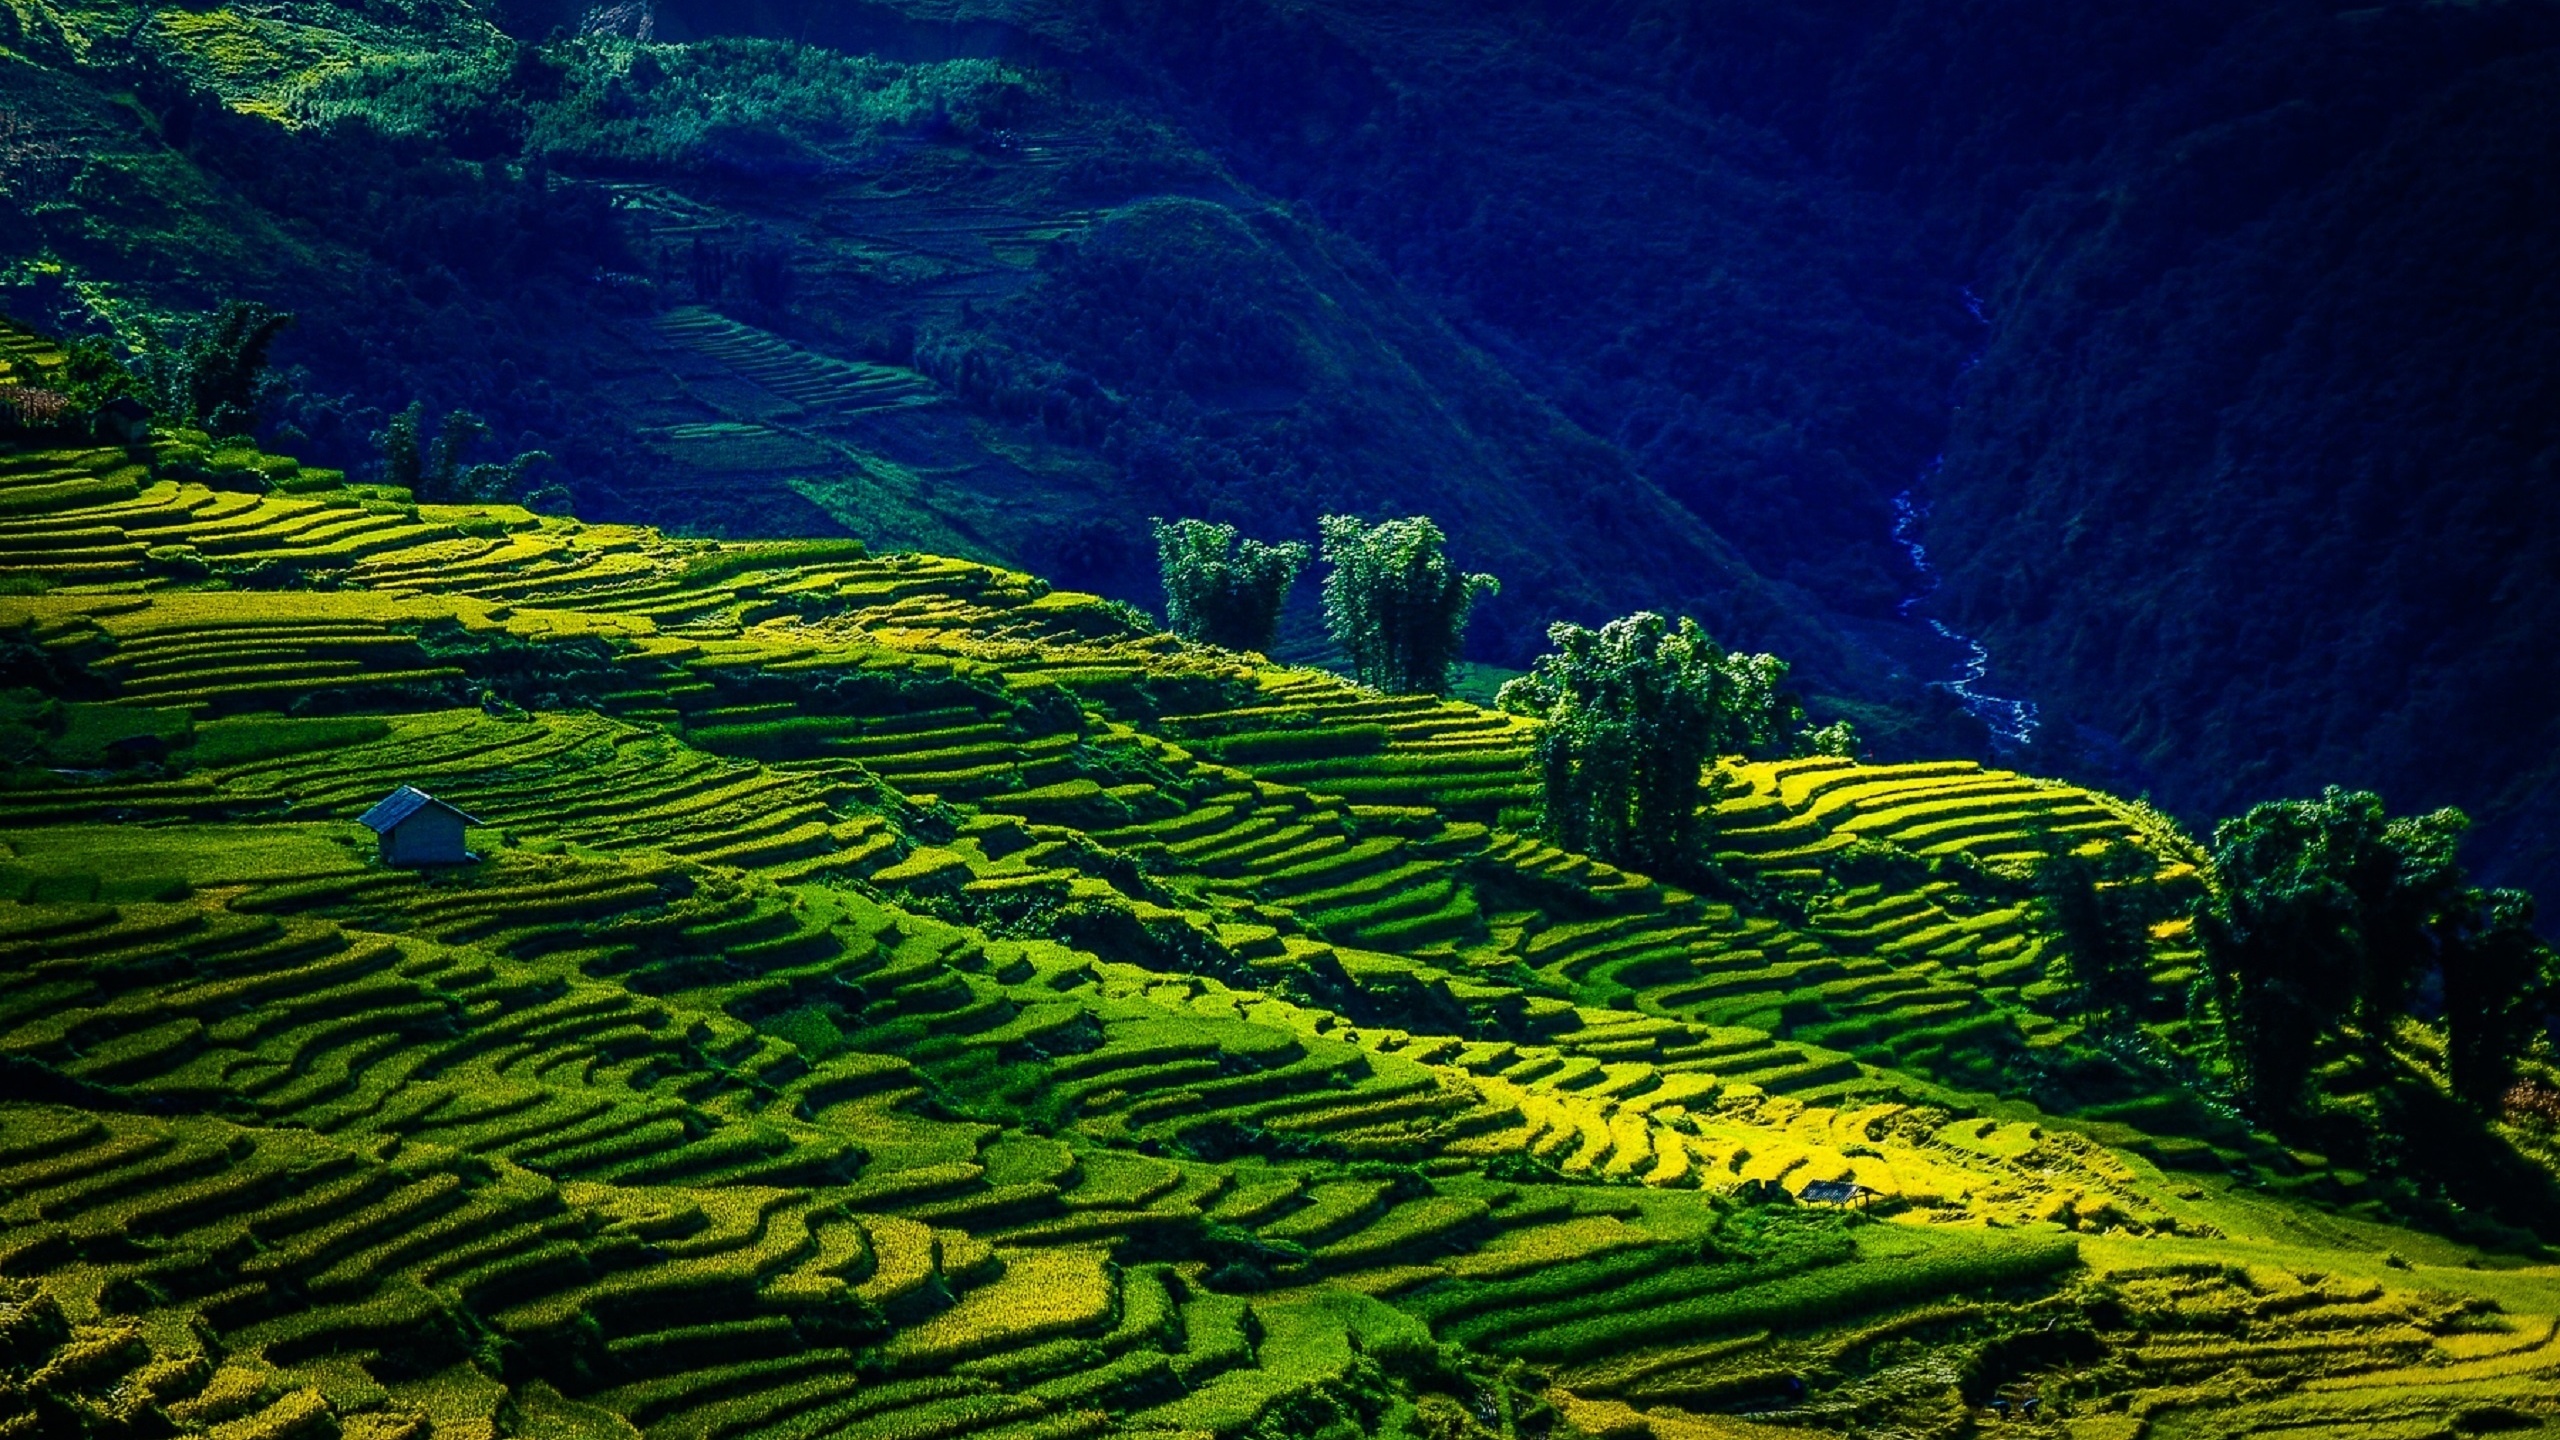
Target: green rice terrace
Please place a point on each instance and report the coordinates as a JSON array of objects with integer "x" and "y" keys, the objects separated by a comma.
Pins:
[{"x": 894, "y": 999}]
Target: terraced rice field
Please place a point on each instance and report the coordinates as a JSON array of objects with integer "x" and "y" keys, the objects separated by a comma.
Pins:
[
  {"x": 824, "y": 388},
  {"x": 894, "y": 999}
]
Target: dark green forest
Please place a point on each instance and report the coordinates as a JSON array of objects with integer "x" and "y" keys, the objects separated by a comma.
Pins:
[{"x": 2210, "y": 343}]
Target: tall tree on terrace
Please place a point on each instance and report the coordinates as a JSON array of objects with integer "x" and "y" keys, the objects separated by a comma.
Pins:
[
  {"x": 224, "y": 366},
  {"x": 2501, "y": 984},
  {"x": 2330, "y": 910},
  {"x": 1634, "y": 713},
  {"x": 2104, "y": 928},
  {"x": 1393, "y": 603},
  {"x": 404, "y": 451},
  {"x": 1220, "y": 592}
]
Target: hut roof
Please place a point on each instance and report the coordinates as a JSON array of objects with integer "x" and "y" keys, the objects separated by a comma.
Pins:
[{"x": 402, "y": 803}]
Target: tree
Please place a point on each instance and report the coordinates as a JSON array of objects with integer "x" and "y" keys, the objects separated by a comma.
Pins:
[
  {"x": 404, "y": 456},
  {"x": 1838, "y": 739},
  {"x": 444, "y": 477},
  {"x": 2501, "y": 985},
  {"x": 224, "y": 363},
  {"x": 437, "y": 473},
  {"x": 2102, "y": 924},
  {"x": 92, "y": 376},
  {"x": 1394, "y": 605},
  {"x": 1219, "y": 592},
  {"x": 2329, "y": 910},
  {"x": 1634, "y": 712}
]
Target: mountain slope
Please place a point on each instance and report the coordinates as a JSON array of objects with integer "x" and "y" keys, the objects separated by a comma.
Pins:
[
  {"x": 747, "y": 288},
  {"x": 897, "y": 998},
  {"x": 2283, "y": 524},
  {"x": 2236, "y": 459},
  {"x": 1650, "y": 300}
]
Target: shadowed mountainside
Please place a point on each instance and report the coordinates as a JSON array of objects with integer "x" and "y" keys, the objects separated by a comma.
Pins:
[{"x": 2238, "y": 481}]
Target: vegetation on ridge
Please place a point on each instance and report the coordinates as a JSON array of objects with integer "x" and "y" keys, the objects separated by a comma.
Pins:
[
  {"x": 1632, "y": 717},
  {"x": 2331, "y": 912}
]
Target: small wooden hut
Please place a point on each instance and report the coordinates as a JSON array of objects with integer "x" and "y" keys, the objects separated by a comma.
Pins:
[{"x": 417, "y": 829}]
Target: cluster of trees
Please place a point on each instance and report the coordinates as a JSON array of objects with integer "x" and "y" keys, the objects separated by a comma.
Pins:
[
  {"x": 213, "y": 374},
  {"x": 438, "y": 473},
  {"x": 216, "y": 375},
  {"x": 210, "y": 373},
  {"x": 1392, "y": 601},
  {"x": 1221, "y": 591},
  {"x": 2333, "y": 915},
  {"x": 2331, "y": 924},
  {"x": 1635, "y": 713}
]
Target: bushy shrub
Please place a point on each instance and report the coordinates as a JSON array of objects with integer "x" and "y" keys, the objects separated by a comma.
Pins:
[
  {"x": 438, "y": 474},
  {"x": 1838, "y": 739}
]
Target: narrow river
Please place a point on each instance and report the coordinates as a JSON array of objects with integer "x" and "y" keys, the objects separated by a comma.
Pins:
[{"x": 2012, "y": 722}]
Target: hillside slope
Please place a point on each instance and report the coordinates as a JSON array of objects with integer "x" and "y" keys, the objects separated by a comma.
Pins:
[
  {"x": 2256, "y": 473},
  {"x": 2208, "y": 343},
  {"x": 2233, "y": 466},
  {"x": 2238, "y": 468},
  {"x": 971, "y": 304},
  {"x": 895, "y": 998}
]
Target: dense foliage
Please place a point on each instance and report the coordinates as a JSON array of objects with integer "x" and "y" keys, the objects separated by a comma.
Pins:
[
  {"x": 215, "y": 379},
  {"x": 439, "y": 471},
  {"x": 2501, "y": 993},
  {"x": 1634, "y": 713},
  {"x": 1394, "y": 604},
  {"x": 1222, "y": 592},
  {"x": 2103, "y": 922},
  {"x": 2330, "y": 913},
  {"x": 211, "y": 371}
]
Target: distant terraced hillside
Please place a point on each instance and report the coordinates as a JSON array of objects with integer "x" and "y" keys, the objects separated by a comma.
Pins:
[
  {"x": 899, "y": 1000},
  {"x": 975, "y": 306}
]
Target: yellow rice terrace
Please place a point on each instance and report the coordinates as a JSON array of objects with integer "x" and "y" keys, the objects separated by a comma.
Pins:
[{"x": 471, "y": 973}]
